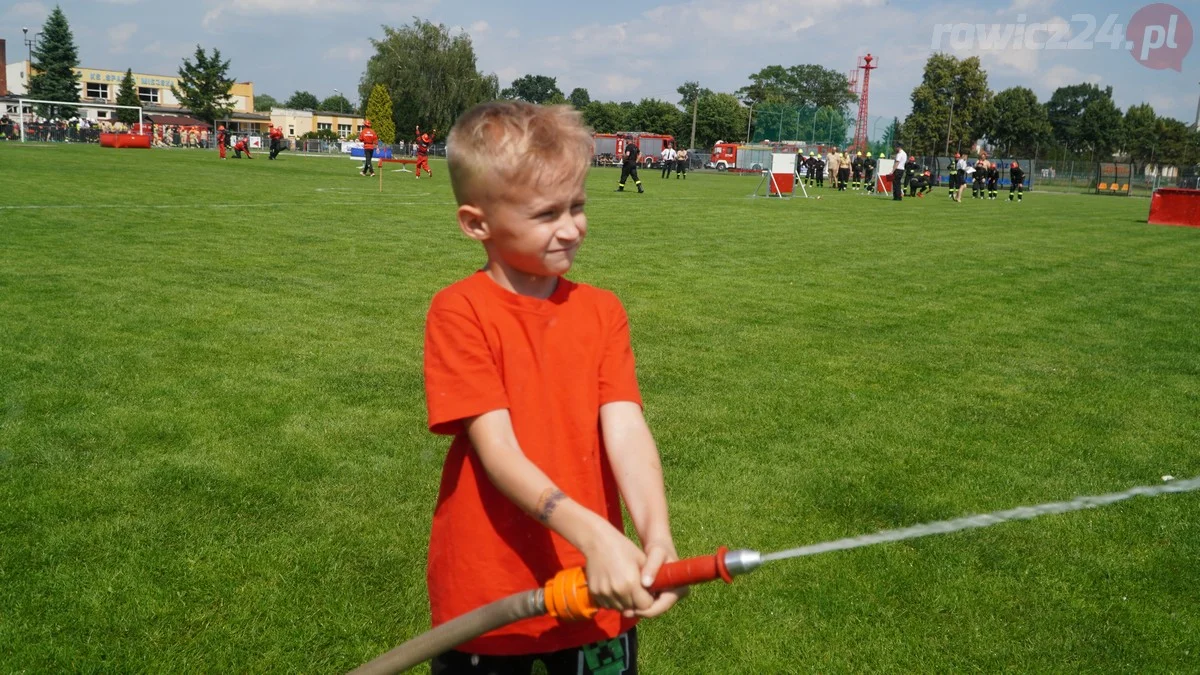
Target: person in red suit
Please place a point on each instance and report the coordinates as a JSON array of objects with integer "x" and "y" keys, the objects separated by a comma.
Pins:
[
  {"x": 243, "y": 145},
  {"x": 222, "y": 140},
  {"x": 423, "y": 143},
  {"x": 369, "y": 139},
  {"x": 276, "y": 142}
]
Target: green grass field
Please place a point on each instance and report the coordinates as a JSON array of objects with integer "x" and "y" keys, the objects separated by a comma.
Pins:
[{"x": 213, "y": 455}]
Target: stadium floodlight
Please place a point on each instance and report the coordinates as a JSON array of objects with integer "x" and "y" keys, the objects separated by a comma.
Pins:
[{"x": 69, "y": 104}]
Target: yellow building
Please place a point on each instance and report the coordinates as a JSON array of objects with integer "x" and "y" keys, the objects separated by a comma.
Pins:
[
  {"x": 157, "y": 100},
  {"x": 296, "y": 123}
]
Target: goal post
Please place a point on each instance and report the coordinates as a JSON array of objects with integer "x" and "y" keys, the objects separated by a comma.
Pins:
[{"x": 69, "y": 104}]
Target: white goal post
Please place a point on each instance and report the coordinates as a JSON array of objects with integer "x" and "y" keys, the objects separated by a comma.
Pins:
[{"x": 69, "y": 104}]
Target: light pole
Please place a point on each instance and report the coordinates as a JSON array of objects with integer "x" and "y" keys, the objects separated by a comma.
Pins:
[
  {"x": 341, "y": 108},
  {"x": 749, "y": 118},
  {"x": 1197, "y": 125},
  {"x": 30, "y": 43},
  {"x": 949, "y": 125}
]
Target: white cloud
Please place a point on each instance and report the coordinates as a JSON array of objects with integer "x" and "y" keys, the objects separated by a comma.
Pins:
[
  {"x": 119, "y": 36},
  {"x": 512, "y": 34},
  {"x": 354, "y": 51},
  {"x": 478, "y": 28},
  {"x": 1062, "y": 75},
  {"x": 27, "y": 10},
  {"x": 375, "y": 9},
  {"x": 618, "y": 85}
]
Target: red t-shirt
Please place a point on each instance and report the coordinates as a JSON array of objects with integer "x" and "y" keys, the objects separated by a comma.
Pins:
[
  {"x": 552, "y": 363},
  {"x": 369, "y": 138}
]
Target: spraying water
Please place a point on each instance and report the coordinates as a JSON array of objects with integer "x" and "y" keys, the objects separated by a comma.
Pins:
[{"x": 986, "y": 519}]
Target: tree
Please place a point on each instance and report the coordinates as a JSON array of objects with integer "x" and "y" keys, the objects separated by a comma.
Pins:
[
  {"x": 337, "y": 103},
  {"x": 381, "y": 115},
  {"x": 303, "y": 100},
  {"x": 890, "y": 136},
  {"x": 951, "y": 101},
  {"x": 264, "y": 103},
  {"x": 1066, "y": 108},
  {"x": 690, "y": 94},
  {"x": 605, "y": 117},
  {"x": 1140, "y": 137},
  {"x": 430, "y": 75},
  {"x": 1017, "y": 122},
  {"x": 204, "y": 86},
  {"x": 719, "y": 117},
  {"x": 579, "y": 98},
  {"x": 1101, "y": 127},
  {"x": 1176, "y": 145},
  {"x": 533, "y": 88},
  {"x": 804, "y": 86},
  {"x": 53, "y": 64},
  {"x": 127, "y": 95},
  {"x": 656, "y": 117}
]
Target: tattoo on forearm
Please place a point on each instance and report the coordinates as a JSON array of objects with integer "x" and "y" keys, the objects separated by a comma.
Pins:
[{"x": 548, "y": 502}]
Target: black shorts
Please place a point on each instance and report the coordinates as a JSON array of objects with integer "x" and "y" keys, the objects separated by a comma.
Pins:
[{"x": 617, "y": 656}]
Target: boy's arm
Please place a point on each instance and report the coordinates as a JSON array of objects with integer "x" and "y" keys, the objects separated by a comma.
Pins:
[
  {"x": 638, "y": 471},
  {"x": 614, "y": 563}
]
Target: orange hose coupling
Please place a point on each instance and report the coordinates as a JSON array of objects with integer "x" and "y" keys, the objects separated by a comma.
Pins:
[{"x": 567, "y": 597}]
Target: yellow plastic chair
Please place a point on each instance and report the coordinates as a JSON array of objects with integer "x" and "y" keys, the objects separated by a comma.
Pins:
[{"x": 1102, "y": 186}]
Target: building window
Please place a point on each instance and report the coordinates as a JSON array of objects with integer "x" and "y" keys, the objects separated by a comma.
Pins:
[
  {"x": 101, "y": 114},
  {"x": 344, "y": 129},
  {"x": 97, "y": 90},
  {"x": 291, "y": 130},
  {"x": 148, "y": 94},
  {"x": 324, "y": 126}
]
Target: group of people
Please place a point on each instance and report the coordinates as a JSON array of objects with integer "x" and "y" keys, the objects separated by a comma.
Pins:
[
  {"x": 983, "y": 177},
  {"x": 846, "y": 171},
  {"x": 422, "y": 144},
  {"x": 674, "y": 159}
]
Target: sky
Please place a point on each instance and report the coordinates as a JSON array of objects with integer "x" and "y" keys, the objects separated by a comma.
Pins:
[{"x": 626, "y": 50}]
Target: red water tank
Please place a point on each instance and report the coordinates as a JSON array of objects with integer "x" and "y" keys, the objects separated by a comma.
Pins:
[{"x": 1175, "y": 206}]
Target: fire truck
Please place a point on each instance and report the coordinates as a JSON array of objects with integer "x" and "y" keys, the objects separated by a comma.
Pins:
[
  {"x": 610, "y": 148},
  {"x": 745, "y": 158}
]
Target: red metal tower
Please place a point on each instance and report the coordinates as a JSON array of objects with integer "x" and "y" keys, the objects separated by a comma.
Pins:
[{"x": 865, "y": 64}]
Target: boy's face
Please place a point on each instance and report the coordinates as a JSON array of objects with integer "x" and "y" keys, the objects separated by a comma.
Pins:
[{"x": 534, "y": 231}]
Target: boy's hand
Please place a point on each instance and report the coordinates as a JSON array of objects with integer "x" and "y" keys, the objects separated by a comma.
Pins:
[
  {"x": 658, "y": 553},
  {"x": 614, "y": 573}
]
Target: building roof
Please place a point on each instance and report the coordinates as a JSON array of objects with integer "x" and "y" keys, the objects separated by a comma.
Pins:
[{"x": 176, "y": 120}]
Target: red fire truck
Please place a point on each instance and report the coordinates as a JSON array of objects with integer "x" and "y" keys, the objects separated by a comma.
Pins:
[
  {"x": 610, "y": 148},
  {"x": 755, "y": 157}
]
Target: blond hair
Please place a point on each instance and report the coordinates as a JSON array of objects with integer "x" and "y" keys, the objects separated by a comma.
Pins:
[{"x": 504, "y": 143}]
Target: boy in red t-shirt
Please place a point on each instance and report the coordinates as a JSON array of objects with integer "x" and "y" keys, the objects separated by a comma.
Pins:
[{"x": 534, "y": 377}]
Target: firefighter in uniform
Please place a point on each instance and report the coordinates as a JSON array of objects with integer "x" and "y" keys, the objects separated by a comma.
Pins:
[
  {"x": 952, "y": 175},
  {"x": 222, "y": 140},
  {"x": 629, "y": 166},
  {"x": 276, "y": 135},
  {"x": 856, "y": 170},
  {"x": 981, "y": 172},
  {"x": 423, "y": 142},
  {"x": 369, "y": 139},
  {"x": 869, "y": 165},
  {"x": 993, "y": 179},
  {"x": 681, "y": 164},
  {"x": 910, "y": 173},
  {"x": 1017, "y": 181},
  {"x": 843, "y": 172},
  {"x": 243, "y": 145}
]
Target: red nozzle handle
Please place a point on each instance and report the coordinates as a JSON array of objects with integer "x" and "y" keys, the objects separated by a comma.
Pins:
[{"x": 693, "y": 571}]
